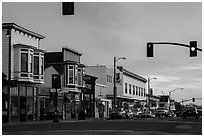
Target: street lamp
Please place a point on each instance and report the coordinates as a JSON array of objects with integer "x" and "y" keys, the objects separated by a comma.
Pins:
[
  {"x": 114, "y": 82},
  {"x": 149, "y": 92},
  {"x": 170, "y": 97}
]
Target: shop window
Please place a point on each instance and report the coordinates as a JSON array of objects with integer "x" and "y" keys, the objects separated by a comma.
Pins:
[
  {"x": 24, "y": 62},
  {"x": 14, "y": 105},
  {"x": 14, "y": 91},
  {"x": 30, "y": 105},
  {"x": 30, "y": 91},
  {"x": 22, "y": 91}
]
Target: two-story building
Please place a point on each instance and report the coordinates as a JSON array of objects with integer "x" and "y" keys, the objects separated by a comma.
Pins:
[
  {"x": 131, "y": 88},
  {"x": 23, "y": 65},
  {"x": 67, "y": 64},
  {"x": 134, "y": 89}
]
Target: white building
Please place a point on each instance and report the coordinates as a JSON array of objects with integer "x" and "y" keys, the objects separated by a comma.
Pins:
[{"x": 131, "y": 88}]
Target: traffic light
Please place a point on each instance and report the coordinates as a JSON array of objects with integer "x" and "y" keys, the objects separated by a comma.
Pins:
[
  {"x": 55, "y": 98},
  {"x": 193, "y": 48},
  {"x": 68, "y": 8},
  {"x": 4, "y": 80},
  {"x": 193, "y": 99},
  {"x": 150, "y": 51},
  {"x": 118, "y": 80},
  {"x": 56, "y": 81}
]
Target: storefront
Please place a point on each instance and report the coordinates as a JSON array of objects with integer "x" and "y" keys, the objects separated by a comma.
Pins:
[
  {"x": 23, "y": 103},
  {"x": 47, "y": 106}
]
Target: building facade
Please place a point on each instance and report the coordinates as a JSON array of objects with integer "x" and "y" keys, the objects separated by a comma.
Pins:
[
  {"x": 131, "y": 88},
  {"x": 67, "y": 64},
  {"x": 23, "y": 66},
  {"x": 134, "y": 90}
]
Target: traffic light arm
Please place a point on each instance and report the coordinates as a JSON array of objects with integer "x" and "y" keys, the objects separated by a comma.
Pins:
[{"x": 173, "y": 43}]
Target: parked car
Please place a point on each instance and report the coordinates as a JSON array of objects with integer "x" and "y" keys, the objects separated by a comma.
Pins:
[
  {"x": 147, "y": 115},
  {"x": 130, "y": 114},
  {"x": 136, "y": 113},
  {"x": 199, "y": 112},
  {"x": 116, "y": 113},
  {"x": 191, "y": 112},
  {"x": 161, "y": 112}
]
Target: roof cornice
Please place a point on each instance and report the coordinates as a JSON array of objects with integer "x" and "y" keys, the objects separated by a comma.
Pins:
[
  {"x": 134, "y": 75},
  {"x": 19, "y": 28}
]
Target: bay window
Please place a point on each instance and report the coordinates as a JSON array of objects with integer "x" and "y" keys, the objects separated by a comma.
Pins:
[
  {"x": 42, "y": 64},
  {"x": 24, "y": 62},
  {"x": 36, "y": 65},
  {"x": 71, "y": 74},
  {"x": 31, "y": 63},
  {"x": 80, "y": 76}
]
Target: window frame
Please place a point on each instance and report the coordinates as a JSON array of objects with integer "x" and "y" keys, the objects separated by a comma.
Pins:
[
  {"x": 126, "y": 88},
  {"x": 26, "y": 62},
  {"x": 133, "y": 89},
  {"x": 130, "y": 89},
  {"x": 68, "y": 75}
]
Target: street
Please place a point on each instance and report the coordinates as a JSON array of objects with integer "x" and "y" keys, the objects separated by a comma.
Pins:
[{"x": 154, "y": 126}]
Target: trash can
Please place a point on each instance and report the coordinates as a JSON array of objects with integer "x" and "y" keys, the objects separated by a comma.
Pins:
[{"x": 82, "y": 115}]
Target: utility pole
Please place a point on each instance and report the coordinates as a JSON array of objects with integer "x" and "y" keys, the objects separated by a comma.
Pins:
[
  {"x": 8, "y": 34},
  {"x": 149, "y": 105},
  {"x": 114, "y": 82}
]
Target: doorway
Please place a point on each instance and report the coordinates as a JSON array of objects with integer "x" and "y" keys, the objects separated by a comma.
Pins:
[{"x": 22, "y": 108}]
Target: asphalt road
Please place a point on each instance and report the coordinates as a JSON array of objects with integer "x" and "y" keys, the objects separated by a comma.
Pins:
[{"x": 163, "y": 126}]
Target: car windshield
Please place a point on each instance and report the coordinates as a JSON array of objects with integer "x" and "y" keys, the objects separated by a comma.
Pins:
[
  {"x": 160, "y": 108},
  {"x": 190, "y": 108}
]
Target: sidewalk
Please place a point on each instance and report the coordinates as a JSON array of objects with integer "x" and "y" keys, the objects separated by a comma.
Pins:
[{"x": 48, "y": 121}]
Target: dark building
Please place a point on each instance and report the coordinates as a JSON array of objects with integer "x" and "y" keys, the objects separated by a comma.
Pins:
[{"x": 67, "y": 64}]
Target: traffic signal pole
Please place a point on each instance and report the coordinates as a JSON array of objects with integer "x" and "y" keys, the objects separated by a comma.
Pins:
[
  {"x": 178, "y": 44},
  {"x": 193, "y": 47}
]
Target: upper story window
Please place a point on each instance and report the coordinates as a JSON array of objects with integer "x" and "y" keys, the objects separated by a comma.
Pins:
[
  {"x": 125, "y": 87},
  {"x": 139, "y": 90},
  {"x": 109, "y": 78},
  {"x": 133, "y": 89},
  {"x": 144, "y": 92},
  {"x": 31, "y": 63},
  {"x": 130, "y": 92},
  {"x": 80, "y": 76},
  {"x": 42, "y": 64},
  {"x": 136, "y": 90},
  {"x": 36, "y": 65},
  {"x": 71, "y": 74},
  {"x": 24, "y": 62}
]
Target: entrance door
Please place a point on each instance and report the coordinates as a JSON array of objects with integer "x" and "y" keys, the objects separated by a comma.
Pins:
[{"x": 22, "y": 108}]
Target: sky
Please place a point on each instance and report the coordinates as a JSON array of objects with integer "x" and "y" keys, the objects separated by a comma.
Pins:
[{"x": 104, "y": 30}]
